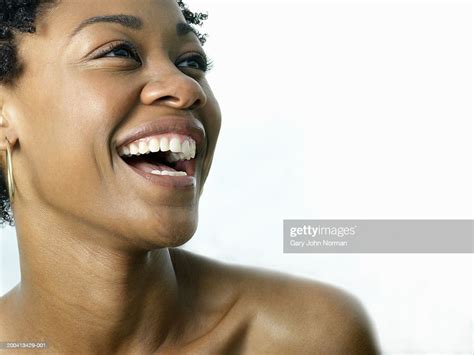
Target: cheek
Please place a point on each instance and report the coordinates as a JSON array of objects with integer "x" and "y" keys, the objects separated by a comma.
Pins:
[
  {"x": 211, "y": 116},
  {"x": 66, "y": 145}
]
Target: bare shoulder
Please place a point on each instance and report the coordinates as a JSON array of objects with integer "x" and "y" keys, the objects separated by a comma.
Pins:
[
  {"x": 288, "y": 314},
  {"x": 304, "y": 316}
]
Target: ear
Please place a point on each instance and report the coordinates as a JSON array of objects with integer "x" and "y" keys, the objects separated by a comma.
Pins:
[{"x": 7, "y": 125}]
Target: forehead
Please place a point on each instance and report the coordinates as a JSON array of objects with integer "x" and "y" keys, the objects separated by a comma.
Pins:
[{"x": 68, "y": 14}]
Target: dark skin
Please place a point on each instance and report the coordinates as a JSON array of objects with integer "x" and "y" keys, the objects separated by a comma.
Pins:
[{"x": 100, "y": 269}]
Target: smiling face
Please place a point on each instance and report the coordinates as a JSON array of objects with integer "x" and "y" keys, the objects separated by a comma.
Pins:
[{"x": 87, "y": 88}]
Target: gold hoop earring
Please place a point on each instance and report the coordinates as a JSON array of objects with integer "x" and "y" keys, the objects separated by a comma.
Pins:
[{"x": 10, "y": 183}]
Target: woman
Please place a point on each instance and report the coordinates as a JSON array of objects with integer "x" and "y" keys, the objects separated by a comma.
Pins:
[{"x": 109, "y": 127}]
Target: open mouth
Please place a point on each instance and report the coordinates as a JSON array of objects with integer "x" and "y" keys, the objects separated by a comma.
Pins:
[{"x": 164, "y": 155}]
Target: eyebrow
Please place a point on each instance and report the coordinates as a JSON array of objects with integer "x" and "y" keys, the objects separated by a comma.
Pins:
[
  {"x": 184, "y": 28},
  {"x": 132, "y": 22}
]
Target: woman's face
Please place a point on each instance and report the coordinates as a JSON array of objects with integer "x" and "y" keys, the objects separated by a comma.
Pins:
[{"x": 78, "y": 100}]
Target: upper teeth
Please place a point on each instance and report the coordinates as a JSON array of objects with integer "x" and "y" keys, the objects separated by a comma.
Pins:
[{"x": 181, "y": 147}]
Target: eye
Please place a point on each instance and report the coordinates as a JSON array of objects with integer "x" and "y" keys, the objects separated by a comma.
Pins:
[
  {"x": 120, "y": 50},
  {"x": 198, "y": 62}
]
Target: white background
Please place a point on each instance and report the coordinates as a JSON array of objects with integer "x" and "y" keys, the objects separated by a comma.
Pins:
[{"x": 342, "y": 111}]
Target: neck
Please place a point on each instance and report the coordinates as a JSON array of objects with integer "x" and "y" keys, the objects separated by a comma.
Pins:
[{"x": 115, "y": 299}]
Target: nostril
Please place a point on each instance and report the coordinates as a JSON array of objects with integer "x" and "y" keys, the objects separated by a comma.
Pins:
[
  {"x": 182, "y": 103},
  {"x": 170, "y": 98}
]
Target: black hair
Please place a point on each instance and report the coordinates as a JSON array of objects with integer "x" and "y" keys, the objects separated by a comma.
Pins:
[{"x": 18, "y": 16}]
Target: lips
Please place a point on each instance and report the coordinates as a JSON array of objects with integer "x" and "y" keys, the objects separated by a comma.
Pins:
[
  {"x": 169, "y": 124},
  {"x": 156, "y": 166},
  {"x": 173, "y": 182}
]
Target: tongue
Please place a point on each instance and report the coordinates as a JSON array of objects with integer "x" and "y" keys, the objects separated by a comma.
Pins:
[{"x": 149, "y": 167}]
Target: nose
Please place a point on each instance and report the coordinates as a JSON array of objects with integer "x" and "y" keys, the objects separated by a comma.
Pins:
[{"x": 174, "y": 89}]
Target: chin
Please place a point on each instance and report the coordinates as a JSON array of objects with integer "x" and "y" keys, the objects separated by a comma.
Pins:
[
  {"x": 176, "y": 236},
  {"x": 167, "y": 229}
]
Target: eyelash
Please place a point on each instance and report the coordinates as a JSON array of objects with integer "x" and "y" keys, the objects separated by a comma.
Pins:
[{"x": 205, "y": 64}]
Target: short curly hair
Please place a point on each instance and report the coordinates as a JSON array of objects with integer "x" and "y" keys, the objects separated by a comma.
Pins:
[{"x": 18, "y": 16}]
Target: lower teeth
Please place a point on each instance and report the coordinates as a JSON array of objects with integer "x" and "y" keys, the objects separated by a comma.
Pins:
[{"x": 169, "y": 173}]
